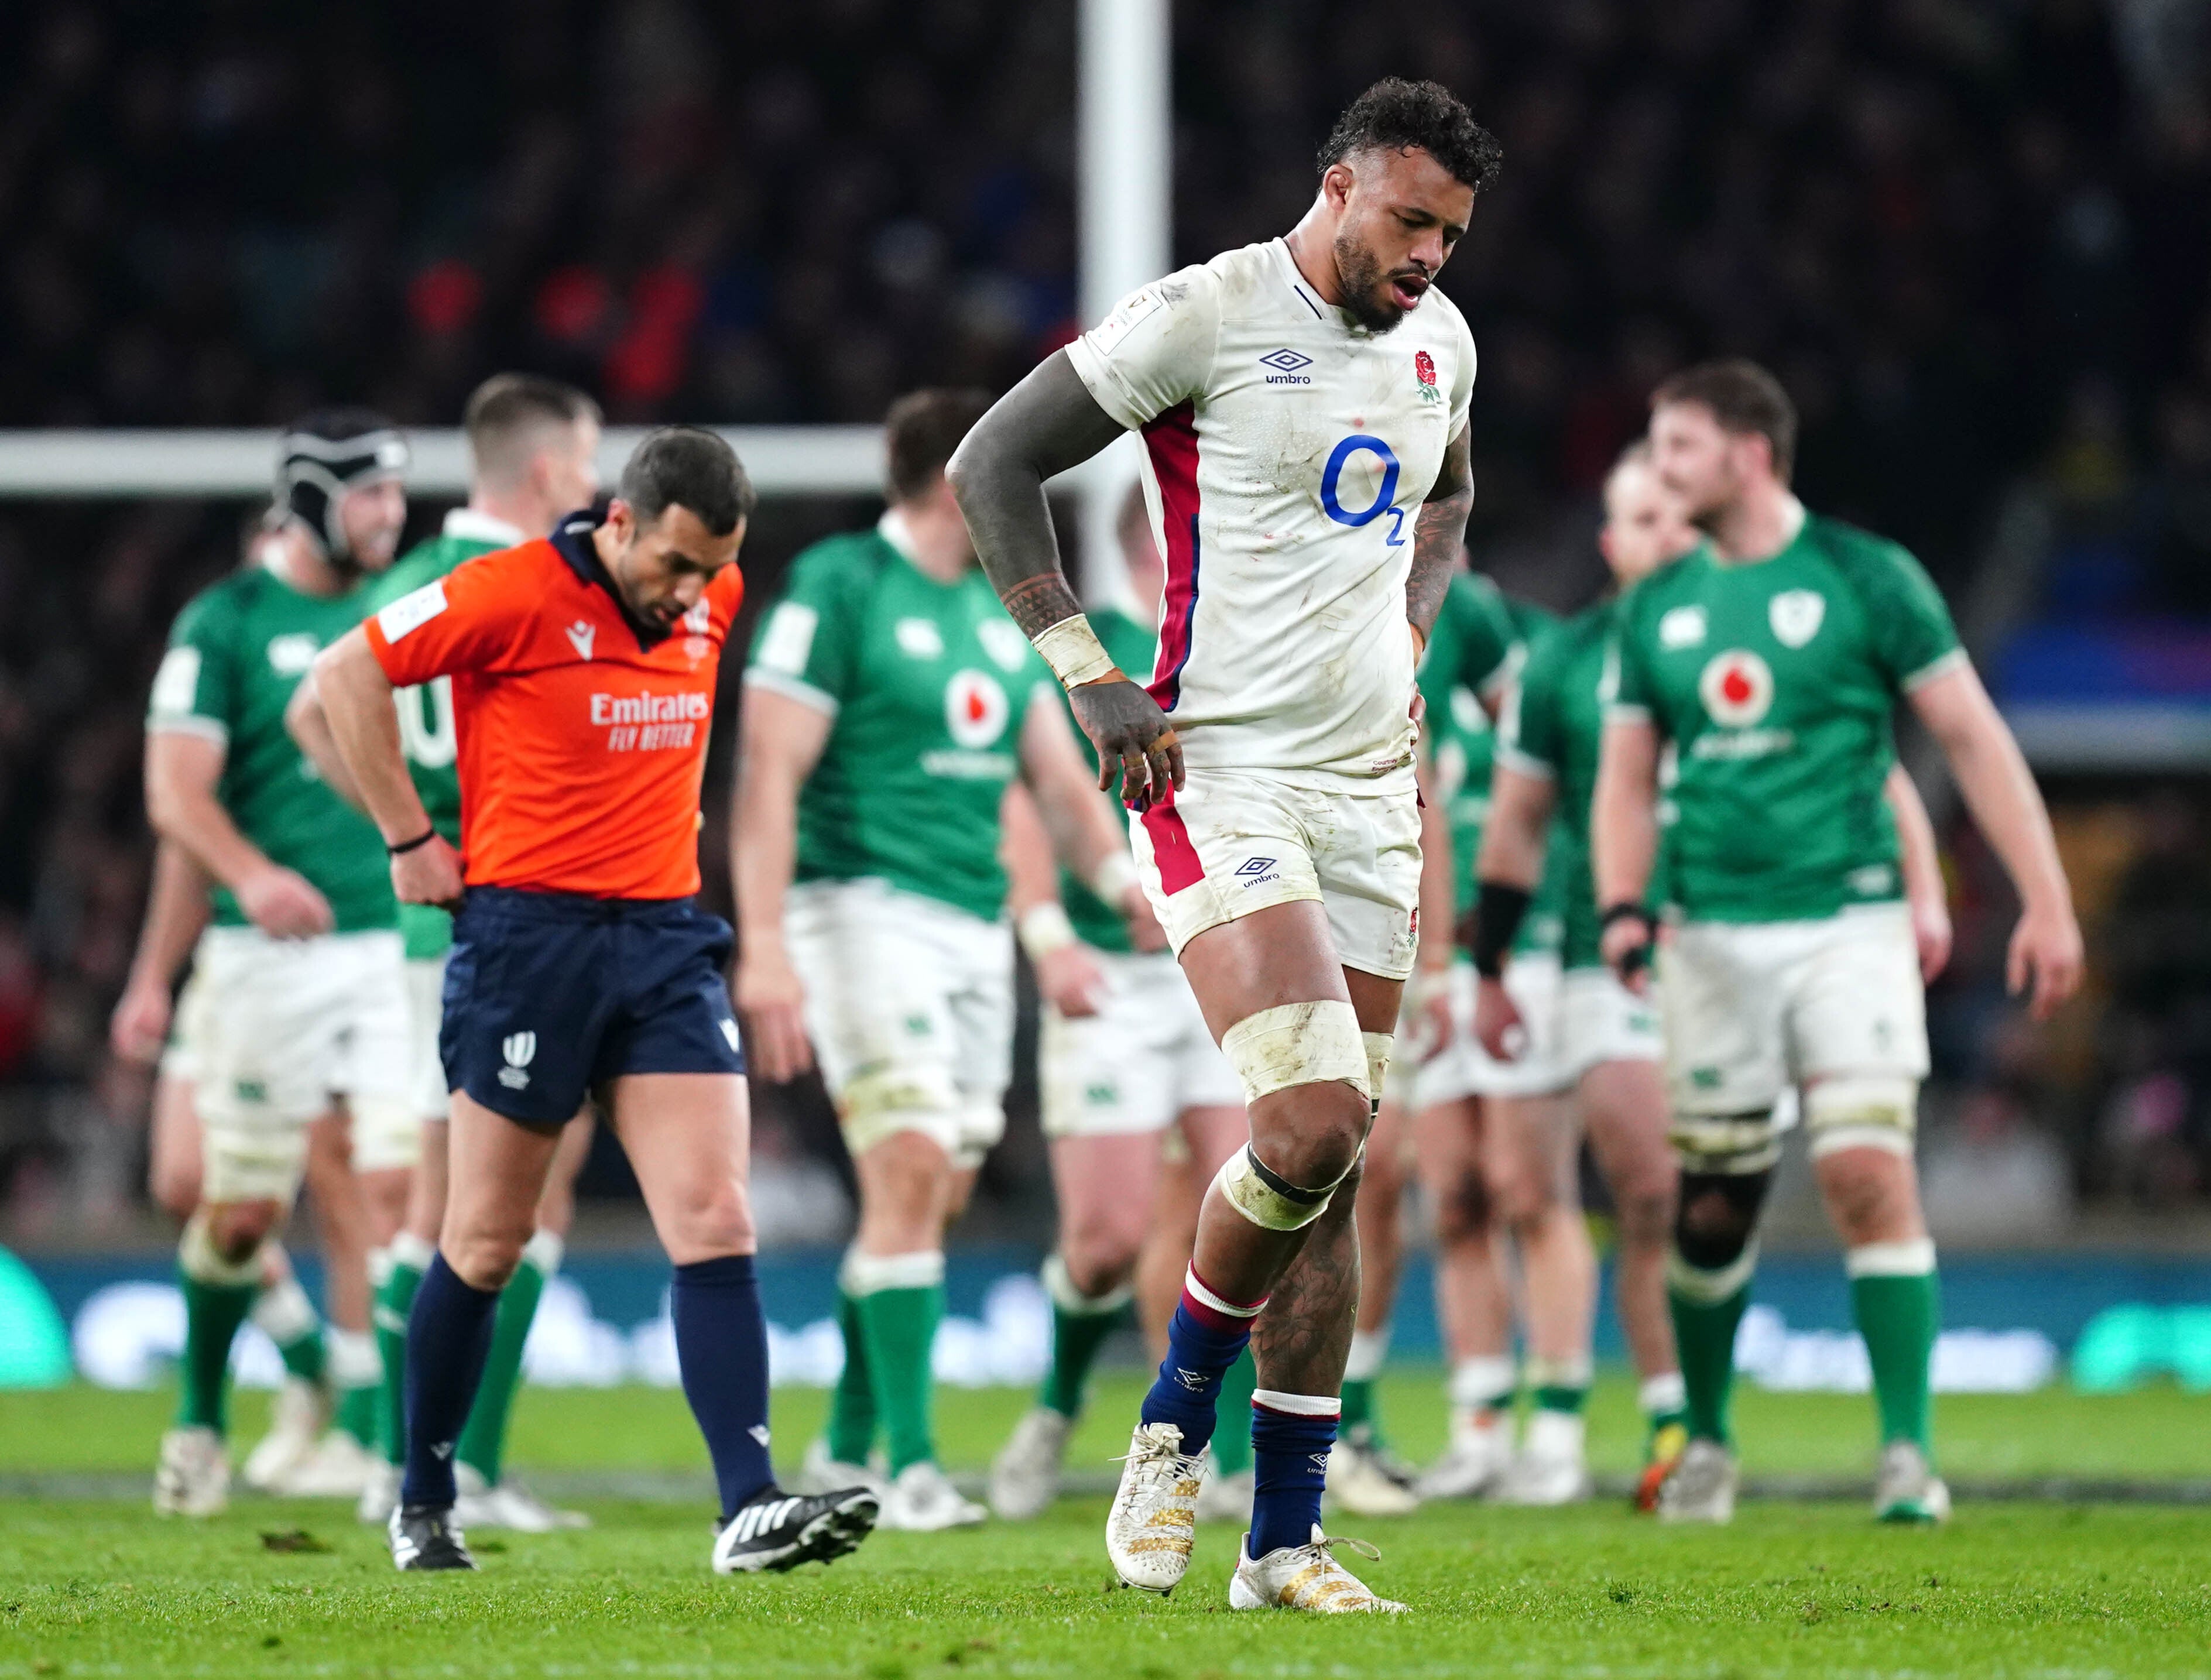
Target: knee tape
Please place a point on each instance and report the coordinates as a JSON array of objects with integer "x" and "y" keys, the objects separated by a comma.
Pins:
[
  {"x": 1266, "y": 1198},
  {"x": 199, "y": 1260},
  {"x": 885, "y": 1100},
  {"x": 1711, "y": 1266},
  {"x": 1377, "y": 1046},
  {"x": 1298, "y": 1044},
  {"x": 1870, "y": 1112},
  {"x": 1725, "y": 1145}
]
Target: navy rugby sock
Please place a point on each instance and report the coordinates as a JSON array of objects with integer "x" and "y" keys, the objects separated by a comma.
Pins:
[
  {"x": 448, "y": 1335},
  {"x": 721, "y": 1344},
  {"x": 1290, "y": 1435},
  {"x": 1204, "y": 1339}
]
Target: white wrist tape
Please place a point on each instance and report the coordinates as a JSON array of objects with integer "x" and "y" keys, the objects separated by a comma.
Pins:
[
  {"x": 1043, "y": 929},
  {"x": 1115, "y": 874},
  {"x": 1073, "y": 650}
]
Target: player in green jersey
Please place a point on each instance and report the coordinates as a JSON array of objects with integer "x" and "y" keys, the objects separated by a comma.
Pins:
[
  {"x": 303, "y": 1000},
  {"x": 1771, "y": 660},
  {"x": 1123, "y": 1059},
  {"x": 888, "y": 704},
  {"x": 533, "y": 444}
]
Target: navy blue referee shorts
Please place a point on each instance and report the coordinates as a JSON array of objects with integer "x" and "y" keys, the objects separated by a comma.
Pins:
[{"x": 549, "y": 994}]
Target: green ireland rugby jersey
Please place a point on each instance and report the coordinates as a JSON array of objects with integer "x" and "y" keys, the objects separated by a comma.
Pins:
[
  {"x": 425, "y": 712},
  {"x": 1775, "y": 681},
  {"x": 928, "y": 683},
  {"x": 1136, "y": 650},
  {"x": 237, "y": 651},
  {"x": 1553, "y": 728},
  {"x": 1480, "y": 639}
]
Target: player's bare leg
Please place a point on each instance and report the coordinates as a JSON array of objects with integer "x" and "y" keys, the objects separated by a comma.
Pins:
[
  {"x": 1532, "y": 1180},
  {"x": 1623, "y": 1106},
  {"x": 175, "y": 1152},
  {"x": 1290, "y": 1016},
  {"x": 1472, "y": 1302},
  {"x": 1872, "y": 1194},
  {"x": 1363, "y": 1478}
]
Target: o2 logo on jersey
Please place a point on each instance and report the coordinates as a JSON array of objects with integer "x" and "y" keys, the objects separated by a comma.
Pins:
[
  {"x": 1385, "y": 488},
  {"x": 1736, "y": 688},
  {"x": 974, "y": 709}
]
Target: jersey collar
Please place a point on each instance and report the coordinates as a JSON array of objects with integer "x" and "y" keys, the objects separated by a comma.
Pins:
[
  {"x": 572, "y": 540},
  {"x": 1307, "y": 299},
  {"x": 472, "y": 524}
]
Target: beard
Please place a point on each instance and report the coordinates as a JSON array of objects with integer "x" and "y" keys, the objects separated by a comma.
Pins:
[{"x": 1365, "y": 296}]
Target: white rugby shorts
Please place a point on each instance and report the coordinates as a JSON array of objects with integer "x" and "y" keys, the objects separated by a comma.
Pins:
[
  {"x": 1752, "y": 1009},
  {"x": 1463, "y": 1068},
  {"x": 909, "y": 1005},
  {"x": 1602, "y": 1021},
  {"x": 1236, "y": 841},
  {"x": 1142, "y": 1059},
  {"x": 180, "y": 1056},
  {"x": 285, "y": 1026}
]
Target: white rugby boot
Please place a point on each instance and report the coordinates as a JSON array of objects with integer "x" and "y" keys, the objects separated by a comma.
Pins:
[
  {"x": 1222, "y": 1498},
  {"x": 340, "y": 1467},
  {"x": 819, "y": 1473},
  {"x": 1552, "y": 1467},
  {"x": 1307, "y": 1578},
  {"x": 922, "y": 1500},
  {"x": 296, "y": 1421},
  {"x": 1906, "y": 1487},
  {"x": 379, "y": 1495},
  {"x": 1153, "y": 1521},
  {"x": 1024, "y": 1476},
  {"x": 1360, "y": 1483},
  {"x": 192, "y": 1476},
  {"x": 1481, "y": 1447},
  {"x": 1700, "y": 1488}
]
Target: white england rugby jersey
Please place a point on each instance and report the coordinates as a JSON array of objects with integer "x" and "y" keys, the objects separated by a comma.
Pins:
[{"x": 1287, "y": 451}]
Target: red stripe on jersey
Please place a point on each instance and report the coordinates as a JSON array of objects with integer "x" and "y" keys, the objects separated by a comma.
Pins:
[
  {"x": 1171, "y": 440},
  {"x": 1171, "y": 850}
]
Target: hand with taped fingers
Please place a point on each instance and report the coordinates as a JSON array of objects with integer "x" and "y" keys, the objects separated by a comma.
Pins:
[{"x": 1133, "y": 737}]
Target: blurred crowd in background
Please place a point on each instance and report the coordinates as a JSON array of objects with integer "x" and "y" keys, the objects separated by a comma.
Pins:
[{"x": 1973, "y": 236}]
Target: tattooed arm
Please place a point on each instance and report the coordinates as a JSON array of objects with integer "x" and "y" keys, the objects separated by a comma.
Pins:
[
  {"x": 1439, "y": 537},
  {"x": 1047, "y": 423}
]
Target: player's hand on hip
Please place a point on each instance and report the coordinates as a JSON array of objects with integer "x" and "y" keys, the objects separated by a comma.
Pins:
[
  {"x": 1497, "y": 1021},
  {"x": 1071, "y": 980},
  {"x": 1133, "y": 737},
  {"x": 1931, "y": 932},
  {"x": 139, "y": 1025},
  {"x": 428, "y": 874},
  {"x": 771, "y": 999},
  {"x": 2045, "y": 959},
  {"x": 284, "y": 904}
]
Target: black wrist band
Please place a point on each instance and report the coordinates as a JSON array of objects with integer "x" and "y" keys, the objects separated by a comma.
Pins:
[
  {"x": 420, "y": 840},
  {"x": 1621, "y": 910},
  {"x": 1498, "y": 909}
]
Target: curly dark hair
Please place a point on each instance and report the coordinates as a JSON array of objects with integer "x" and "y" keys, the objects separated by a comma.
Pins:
[{"x": 1395, "y": 113}]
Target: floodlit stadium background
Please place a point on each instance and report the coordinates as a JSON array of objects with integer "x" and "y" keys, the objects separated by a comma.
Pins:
[{"x": 1973, "y": 236}]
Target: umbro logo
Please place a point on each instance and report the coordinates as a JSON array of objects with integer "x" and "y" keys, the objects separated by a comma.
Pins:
[
  {"x": 1255, "y": 866},
  {"x": 1289, "y": 368},
  {"x": 581, "y": 635},
  {"x": 1197, "y": 1382}
]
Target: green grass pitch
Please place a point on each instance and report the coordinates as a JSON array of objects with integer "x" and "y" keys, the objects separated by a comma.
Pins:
[{"x": 2012, "y": 1587}]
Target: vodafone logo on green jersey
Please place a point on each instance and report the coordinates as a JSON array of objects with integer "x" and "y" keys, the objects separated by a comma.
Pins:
[
  {"x": 975, "y": 709},
  {"x": 1736, "y": 688}
]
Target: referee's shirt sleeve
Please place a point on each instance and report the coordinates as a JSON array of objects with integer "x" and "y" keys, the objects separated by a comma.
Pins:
[{"x": 469, "y": 620}]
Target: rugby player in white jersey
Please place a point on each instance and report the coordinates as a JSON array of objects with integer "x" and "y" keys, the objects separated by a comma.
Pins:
[{"x": 1303, "y": 403}]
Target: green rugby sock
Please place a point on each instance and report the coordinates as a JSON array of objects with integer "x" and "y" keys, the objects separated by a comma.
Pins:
[
  {"x": 901, "y": 1299},
  {"x": 850, "y": 1433},
  {"x": 408, "y": 1258},
  {"x": 1081, "y": 1325},
  {"x": 483, "y": 1438},
  {"x": 358, "y": 1375},
  {"x": 1896, "y": 1300},
  {"x": 213, "y": 1313},
  {"x": 1232, "y": 1446},
  {"x": 284, "y": 1313},
  {"x": 1370, "y": 1349},
  {"x": 1707, "y": 1307}
]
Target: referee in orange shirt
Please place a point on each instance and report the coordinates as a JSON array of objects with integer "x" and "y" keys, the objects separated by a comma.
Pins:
[{"x": 583, "y": 667}]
